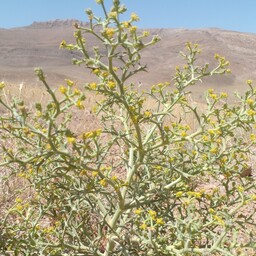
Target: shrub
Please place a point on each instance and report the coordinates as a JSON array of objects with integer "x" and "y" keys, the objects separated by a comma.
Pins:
[{"x": 144, "y": 182}]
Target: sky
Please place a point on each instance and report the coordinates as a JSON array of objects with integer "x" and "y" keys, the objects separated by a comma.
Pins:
[{"x": 237, "y": 15}]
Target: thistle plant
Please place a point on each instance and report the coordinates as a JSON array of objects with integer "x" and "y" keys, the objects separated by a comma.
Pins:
[{"x": 139, "y": 184}]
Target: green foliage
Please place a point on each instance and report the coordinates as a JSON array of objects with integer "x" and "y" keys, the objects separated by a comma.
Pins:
[{"x": 145, "y": 182}]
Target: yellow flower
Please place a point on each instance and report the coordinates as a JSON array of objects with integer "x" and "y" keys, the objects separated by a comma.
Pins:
[
  {"x": 105, "y": 74},
  {"x": 44, "y": 131},
  {"x": 77, "y": 92},
  {"x": 212, "y": 132},
  {"x": 69, "y": 82},
  {"x": 145, "y": 33},
  {"x": 109, "y": 32},
  {"x": 251, "y": 112},
  {"x": 253, "y": 197},
  {"x": 87, "y": 135},
  {"x": 126, "y": 24},
  {"x": 240, "y": 188},
  {"x": 63, "y": 44},
  {"x": 143, "y": 226},
  {"x": 96, "y": 71},
  {"x": 183, "y": 134},
  {"x": 94, "y": 174},
  {"x": 92, "y": 134},
  {"x": 92, "y": 86},
  {"x": 103, "y": 182},
  {"x": 18, "y": 200},
  {"x": 159, "y": 221},
  {"x": 219, "y": 220},
  {"x": 179, "y": 194},
  {"x": 48, "y": 230},
  {"x": 223, "y": 95},
  {"x": 211, "y": 211},
  {"x": 135, "y": 17},
  {"x": 98, "y": 132},
  {"x": 111, "y": 85},
  {"x": 19, "y": 207},
  {"x": 214, "y": 150},
  {"x": 71, "y": 140},
  {"x": 133, "y": 29},
  {"x": 152, "y": 214},
  {"x": 63, "y": 89},
  {"x": 37, "y": 227},
  {"x": 216, "y": 56},
  {"x": 249, "y": 101},
  {"x": 249, "y": 82},
  {"x": 166, "y": 128},
  {"x": 138, "y": 211},
  {"x": 172, "y": 159},
  {"x": 205, "y": 138},
  {"x": 194, "y": 194},
  {"x": 2, "y": 85},
  {"x": 79, "y": 104},
  {"x": 147, "y": 114},
  {"x": 112, "y": 15},
  {"x": 48, "y": 146},
  {"x": 114, "y": 178},
  {"x": 253, "y": 137},
  {"x": 213, "y": 96}
]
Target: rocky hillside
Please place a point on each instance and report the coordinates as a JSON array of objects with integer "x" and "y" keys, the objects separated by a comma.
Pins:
[{"x": 23, "y": 48}]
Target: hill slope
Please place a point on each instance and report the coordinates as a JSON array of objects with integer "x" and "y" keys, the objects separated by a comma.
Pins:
[{"x": 22, "y": 49}]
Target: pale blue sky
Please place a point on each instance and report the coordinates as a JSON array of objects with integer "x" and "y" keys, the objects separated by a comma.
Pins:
[{"x": 238, "y": 15}]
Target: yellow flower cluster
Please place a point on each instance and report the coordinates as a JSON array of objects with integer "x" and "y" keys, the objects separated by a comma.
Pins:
[
  {"x": 145, "y": 33},
  {"x": 194, "y": 194},
  {"x": 249, "y": 82},
  {"x": 71, "y": 140},
  {"x": 219, "y": 220},
  {"x": 69, "y": 82},
  {"x": 179, "y": 194},
  {"x": 133, "y": 29},
  {"x": 103, "y": 182},
  {"x": 138, "y": 211},
  {"x": 79, "y": 104},
  {"x": 92, "y": 134},
  {"x": 109, "y": 32},
  {"x": 251, "y": 112},
  {"x": 134, "y": 17},
  {"x": 151, "y": 220},
  {"x": 99, "y": 1},
  {"x": 112, "y": 15},
  {"x": 96, "y": 71},
  {"x": 63, "y": 89},
  {"x": 147, "y": 114},
  {"x": 48, "y": 230},
  {"x": 77, "y": 92},
  {"x": 126, "y": 24},
  {"x": 111, "y": 85},
  {"x": 93, "y": 86},
  {"x": 250, "y": 101},
  {"x": 63, "y": 44},
  {"x": 2, "y": 85}
]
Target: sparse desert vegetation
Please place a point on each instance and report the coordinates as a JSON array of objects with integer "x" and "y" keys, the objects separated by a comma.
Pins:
[{"x": 113, "y": 169}]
